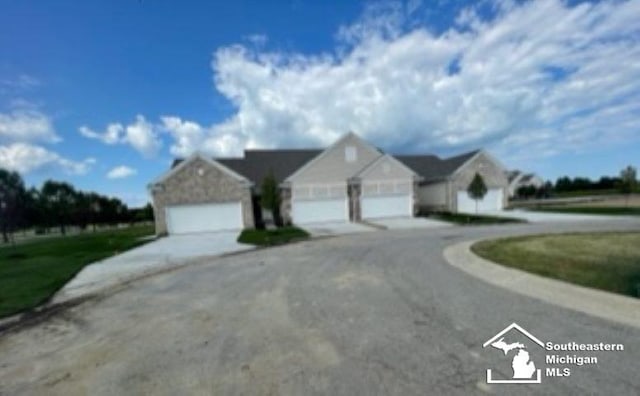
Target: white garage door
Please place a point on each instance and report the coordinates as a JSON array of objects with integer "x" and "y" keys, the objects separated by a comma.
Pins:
[
  {"x": 491, "y": 202},
  {"x": 386, "y": 206},
  {"x": 317, "y": 211},
  {"x": 203, "y": 218}
]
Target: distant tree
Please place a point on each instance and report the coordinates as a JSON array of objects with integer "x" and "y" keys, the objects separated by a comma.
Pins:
[
  {"x": 563, "y": 184},
  {"x": 526, "y": 192},
  {"x": 477, "y": 189},
  {"x": 59, "y": 199},
  {"x": 628, "y": 181},
  {"x": 545, "y": 190},
  {"x": 12, "y": 193},
  {"x": 147, "y": 212},
  {"x": 270, "y": 197}
]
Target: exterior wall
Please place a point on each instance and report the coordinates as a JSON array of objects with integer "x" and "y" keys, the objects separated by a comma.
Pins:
[
  {"x": 187, "y": 186},
  {"x": 332, "y": 165},
  {"x": 492, "y": 173},
  {"x": 433, "y": 196}
]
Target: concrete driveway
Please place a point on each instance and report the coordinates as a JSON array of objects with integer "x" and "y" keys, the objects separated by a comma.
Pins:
[
  {"x": 363, "y": 314},
  {"x": 547, "y": 217},
  {"x": 335, "y": 228},
  {"x": 407, "y": 223},
  {"x": 157, "y": 255}
]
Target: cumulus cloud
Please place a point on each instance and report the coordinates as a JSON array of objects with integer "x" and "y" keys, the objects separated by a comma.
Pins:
[
  {"x": 538, "y": 77},
  {"x": 26, "y": 125},
  {"x": 140, "y": 134},
  {"x": 121, "y": 172},
  {"x": 112, "y": 135},
  {"x": 27, "y": 158},
  {"x": 189, "y": 136}
]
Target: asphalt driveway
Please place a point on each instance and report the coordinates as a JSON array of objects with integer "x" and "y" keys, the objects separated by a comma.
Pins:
[{"x": 362, "y": 314}]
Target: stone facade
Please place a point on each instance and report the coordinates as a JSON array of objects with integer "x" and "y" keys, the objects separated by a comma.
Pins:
[
  {"x": 353, "y": 190},
  {"x": 285, "y": 204},
  {"x": 493, "y": 175},
  {"x": 200, "y": 182}
]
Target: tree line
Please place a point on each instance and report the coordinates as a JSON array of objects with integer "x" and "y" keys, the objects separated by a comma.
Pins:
[
  {"x": 626, "y": 183},
  {"x": 58, "y": 205}
]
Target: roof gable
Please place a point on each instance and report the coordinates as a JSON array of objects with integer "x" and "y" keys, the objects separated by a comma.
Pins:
[
  {"x": 177, "y": 167},
  {"x": 386, "y": 167},
  {"x": 332, "y": 165}
]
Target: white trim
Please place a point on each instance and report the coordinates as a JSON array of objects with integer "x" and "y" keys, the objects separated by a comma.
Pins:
[
  {"x": 367, "y": 169},
  {"x": 327, "y": 150},
  {"x": 395, "y": 182},
  {"x": 537, "y": 380},
  {"x": 211, "y": 161}
]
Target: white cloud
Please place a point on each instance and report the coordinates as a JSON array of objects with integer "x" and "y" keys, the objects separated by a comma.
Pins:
[
  {"x": 112, "y": 135},
  {"x": 190, "y": 136},
  {"x": 26, "y": 125},
  {"x": 140, "y": 134},
  {"x": 120, "y": 172},
  {"x": 27, "y": 158},
  {"x": 538, "y": 77},
  {"x": 19, "y": 83}
]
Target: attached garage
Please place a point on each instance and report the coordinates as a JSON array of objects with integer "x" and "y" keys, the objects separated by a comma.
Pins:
[
  {"x": 201, "y": 195},
  {"x": 387, "y": 189},
  {"x": 492, "y": 201},
  {"x": 184, "y": 219},
  {"x": 320, "y": 210},
  {"x": 387, "y": 206}
]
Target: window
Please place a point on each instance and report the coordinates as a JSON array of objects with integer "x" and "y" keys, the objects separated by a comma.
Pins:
[{"x": 350, "y": 154}]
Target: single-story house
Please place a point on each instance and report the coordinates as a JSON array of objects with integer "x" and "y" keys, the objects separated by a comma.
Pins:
[
  {"x": 519, "y": 179},
  {"x": 349, "y": 181}
]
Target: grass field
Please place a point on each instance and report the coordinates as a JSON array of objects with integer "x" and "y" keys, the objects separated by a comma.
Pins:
[
  {"x": 272, "y": 237},
  {"x": 607, "y": 261},
  {"x": 31, "y": 272}
]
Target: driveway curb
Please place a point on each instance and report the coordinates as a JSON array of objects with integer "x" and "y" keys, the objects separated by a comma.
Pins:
[{"x": 601, "y": 304}]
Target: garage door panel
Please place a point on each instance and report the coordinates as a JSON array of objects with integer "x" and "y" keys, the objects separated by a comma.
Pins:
[
  {"x": 386, "y": 206},
  {"x": 316, "y": 211},
  {"x": 492, "y": 201},
  {"x": 185, "y": 219}
]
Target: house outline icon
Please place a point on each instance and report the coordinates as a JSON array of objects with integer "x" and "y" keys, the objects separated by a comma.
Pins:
[{"x": 530, "y": 336}]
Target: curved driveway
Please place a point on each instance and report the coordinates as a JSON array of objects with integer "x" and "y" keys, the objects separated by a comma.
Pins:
[{"x": 369, "y": 314}]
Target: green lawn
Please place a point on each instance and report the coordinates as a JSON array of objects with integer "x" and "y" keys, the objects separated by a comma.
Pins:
[
  {"x": 594, "y": 210},
  {"x": 608, "y": 261},
  {"x": 33, "y": 271},
  {"x": 272, "y": 237},
  {"x": 471, "y": 219}
]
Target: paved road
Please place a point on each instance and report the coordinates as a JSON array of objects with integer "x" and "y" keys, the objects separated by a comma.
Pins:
[{"x": 371, "y": 314}]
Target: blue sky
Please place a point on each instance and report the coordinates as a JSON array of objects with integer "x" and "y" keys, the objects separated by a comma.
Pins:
[{"x": 105, "y": 93}]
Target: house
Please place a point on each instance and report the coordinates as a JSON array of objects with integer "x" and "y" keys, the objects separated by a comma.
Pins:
[
  {"x": 518, "y": 179},
  {"x": 445, "y": 182},
  {"x": 349, "y": 181}
]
